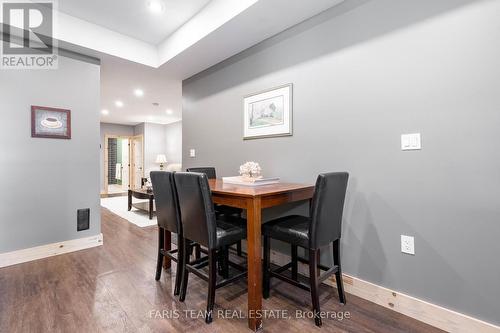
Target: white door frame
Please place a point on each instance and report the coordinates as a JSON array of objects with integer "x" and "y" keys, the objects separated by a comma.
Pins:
[{"x": 131, "y": 158}]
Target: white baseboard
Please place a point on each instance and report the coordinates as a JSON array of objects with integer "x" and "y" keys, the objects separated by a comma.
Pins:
[
  {"x": 434, "y": 315},
  {"x": 49, "y": 250}
]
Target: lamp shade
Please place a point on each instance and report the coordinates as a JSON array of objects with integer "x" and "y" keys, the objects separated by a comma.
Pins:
[{"x": 161, "y": 158}]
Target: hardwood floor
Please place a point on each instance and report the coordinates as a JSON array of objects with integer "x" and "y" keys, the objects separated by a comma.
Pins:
[{"x": 112, "y": 289}]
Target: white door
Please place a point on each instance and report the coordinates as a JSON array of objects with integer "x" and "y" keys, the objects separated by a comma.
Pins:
[
  {"x": 125, "y": 164},
  {"x": 137, "y": 166}
]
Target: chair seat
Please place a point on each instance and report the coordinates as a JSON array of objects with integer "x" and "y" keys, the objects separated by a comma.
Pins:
[
  {"x": 293, "y": 229},
  {"x": 227, "y": 210},
  {"x": 230, "y": 231}
]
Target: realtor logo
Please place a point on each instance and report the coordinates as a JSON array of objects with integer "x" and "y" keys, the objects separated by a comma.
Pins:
[{"x": 27, "y": 39}]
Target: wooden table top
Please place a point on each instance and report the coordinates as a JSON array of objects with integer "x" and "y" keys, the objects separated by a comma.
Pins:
[{"x": 219, "y": 187}]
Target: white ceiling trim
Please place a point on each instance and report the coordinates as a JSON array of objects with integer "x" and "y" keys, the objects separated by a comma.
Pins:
[
  {"x": 253, "y": 25},
  {"x": 212, "y": 17},
  {"x": 82, "y": 33}
]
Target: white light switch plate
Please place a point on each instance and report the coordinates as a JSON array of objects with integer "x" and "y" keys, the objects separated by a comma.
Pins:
[
  {"x": 192, "y": 153},
  {"x": 411, "y": 141},
  {"x": 407, "y": 244}
]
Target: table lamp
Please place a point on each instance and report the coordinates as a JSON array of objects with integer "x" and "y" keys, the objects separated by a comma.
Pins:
[{"x": 161, "y": 159}]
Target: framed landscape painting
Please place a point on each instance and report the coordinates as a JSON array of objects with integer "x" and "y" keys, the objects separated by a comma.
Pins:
[
  {"x": 268, "y": 113},
  {"x": 50, "y": 122}
]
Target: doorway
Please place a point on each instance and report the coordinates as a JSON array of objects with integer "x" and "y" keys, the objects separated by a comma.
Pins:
[{"x": 123, "y": 163}]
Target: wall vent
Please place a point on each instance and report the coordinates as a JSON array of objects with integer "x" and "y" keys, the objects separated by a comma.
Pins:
[{"x": 83, "y": 219}]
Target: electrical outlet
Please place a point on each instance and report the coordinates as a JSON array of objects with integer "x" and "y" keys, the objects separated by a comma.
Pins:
[
  {"x": 192, "y": 153},
  {"x": 411, "y": 141},
  {"x": 408, "y": 244}
]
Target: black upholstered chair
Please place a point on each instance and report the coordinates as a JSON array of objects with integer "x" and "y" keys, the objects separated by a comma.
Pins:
[
  {"x": 209, "y": 171},
  {"x": 167, "y": 213},
  {"x": 312, "y": 233},
  {"x": 200, "y": 225},
  {"x": 220, "y": 210}
]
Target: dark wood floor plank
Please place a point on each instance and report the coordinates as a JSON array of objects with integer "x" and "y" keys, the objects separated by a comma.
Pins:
[{"x": 112, "y": 289}]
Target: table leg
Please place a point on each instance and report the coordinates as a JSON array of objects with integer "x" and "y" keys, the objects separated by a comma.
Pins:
[
  {"x": 129, "y": 199},
  {"x": 167, "y": 246},
  {"x": 254, "y": 253},
  {"x": 150, "y": 209}
]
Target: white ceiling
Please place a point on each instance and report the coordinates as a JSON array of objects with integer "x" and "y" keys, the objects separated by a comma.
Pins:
[
  {"x": 132, "y": 17},
  {"x": 119, "y": 79}
]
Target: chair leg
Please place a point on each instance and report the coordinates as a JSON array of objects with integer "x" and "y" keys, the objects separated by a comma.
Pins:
[
  {"x": 338, "y": 275},
  {"x": 265, "y": 270},
  {"x": 313, "y": 277},
  {"x": 184, "y": 272},
  {"x": 225, "y": 262},
  {"x": 159, "y": 263},
  {"x": 238, "y": 249},
  {"x": 238, "y": 245},
  {"x": 180, "y": 260},
  {"x": 220, "y": 262},
  {"x": 294, "y": 262},
  {"x": 212, "y": 280},
  {"x": 197, "y": 251}
]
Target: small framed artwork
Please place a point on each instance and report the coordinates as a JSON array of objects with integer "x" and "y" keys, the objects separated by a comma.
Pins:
[
  {"x": 50, "y": 122},
  {"x": 268, "y": 113}
]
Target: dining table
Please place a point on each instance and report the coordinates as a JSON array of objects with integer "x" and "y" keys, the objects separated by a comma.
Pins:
[{"x": 253, "y": 199}]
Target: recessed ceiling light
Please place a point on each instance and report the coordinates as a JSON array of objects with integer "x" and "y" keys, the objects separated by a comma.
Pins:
[
  {"x": 139, "y": 92},
  {"x": 156, "y": 6},
  {"x": 105, "y": 112},
  {"x": 169, "y": 111},
  {"x": 150, "y": 117},
  {"x": 119, "y": 104}
]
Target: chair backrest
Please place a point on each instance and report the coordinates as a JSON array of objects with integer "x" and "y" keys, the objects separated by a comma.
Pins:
[
  {"x": 197, "y": 209},
  {"x": 327, "y": 208},
  {"x": 167, "y": 205},
  {"x": 209, "y": 171}
]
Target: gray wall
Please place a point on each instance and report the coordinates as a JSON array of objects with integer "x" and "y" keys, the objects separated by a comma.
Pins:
[
  {"x": 363, "y": 74},
  {"x": 173, "y": 136},
  {"x": 139, "y": 129},
  {"x": 154, "y": 144},
  {"x": 45, "y": 181},
  {"x": 160, "y": 139},
  {"x": 110, "y": 129}
]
